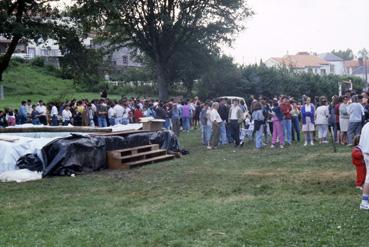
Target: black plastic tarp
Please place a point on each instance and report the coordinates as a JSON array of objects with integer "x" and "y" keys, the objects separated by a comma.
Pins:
[
  {"x": 74, "y": 154},
  {"x": 84, "y": 153}
]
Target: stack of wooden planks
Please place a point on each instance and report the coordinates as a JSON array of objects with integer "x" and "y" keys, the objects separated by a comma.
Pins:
[{"x": 131, "y": 157}]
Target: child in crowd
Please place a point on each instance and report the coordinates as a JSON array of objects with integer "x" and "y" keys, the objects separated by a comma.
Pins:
[
  {"x": 359, "y": 163},
  {"x": 11, "y": 119},
  {"x": 277, "y": 118}
]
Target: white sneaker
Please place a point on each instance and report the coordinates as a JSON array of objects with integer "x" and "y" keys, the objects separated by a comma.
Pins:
[
  {"x": 272, "y": 146},
  {"x": 281, "y": 146},
  {"x": 305, "y": 144},
  {"x": 364, "y": 206},
  {"x": 312, "y": 143},
  {"x": 209, "y": 148}
]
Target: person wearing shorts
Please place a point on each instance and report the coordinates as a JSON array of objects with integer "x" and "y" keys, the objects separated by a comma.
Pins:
[{"x": 307, "y": 117}]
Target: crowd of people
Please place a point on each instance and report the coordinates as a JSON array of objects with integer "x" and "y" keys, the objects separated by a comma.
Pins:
[{"x": 278, "y": 122}]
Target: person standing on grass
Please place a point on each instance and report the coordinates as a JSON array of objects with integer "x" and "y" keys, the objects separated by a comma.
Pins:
[
  {"x": 111, "y": 114},
  {"x": 356, "y": 114},
  {"x": 66, "y": 115},
  {"x": 3, "y": 122},
  {"x": 35, "y": 116},
  {"x": 175, "y": 117},
  {"x": 204, "y": 124},
  {"x": 259, "y": 120},
  {"x": 344, "y": 119},
  {"x": 29, "y": 108},
  {"x": 286, "y": 109},
  {"x": 365, "y": 103},
  {"x": 364, "y": 147},
  {"x": 235, "y": 117},
  {"x": 54, "y": 115},
  {"x": 23, "y": 113},
  {"x": 295, "y": 121},
  {"x": 186, "y": 117},
  {"x": 277, "y": 118},
  {"x": 223, "y": 113},
  {"x": 102, "y": 113},
  {"x": 216, "y": 120},
  {"x": 196, "y": 117},
  {"x": 359, "y": 163},
  {"x": 307, "y": 117},
  {"x": 43, "y": 112},
  {"x": 117, "y": 113},
  {"x": 321, "y": 120}
]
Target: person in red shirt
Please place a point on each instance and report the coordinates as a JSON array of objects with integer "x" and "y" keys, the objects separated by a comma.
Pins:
[
  {"x": 359, "y": 163},
  {"x": 137, "y": 114},
  {"x": 286, "y": 109}
]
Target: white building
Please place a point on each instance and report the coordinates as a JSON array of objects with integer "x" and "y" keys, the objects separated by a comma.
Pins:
[
  {"x": 27, "y": 49},
  {"x": 301, "y": 62},
  {"x": 337, "y": 64}
]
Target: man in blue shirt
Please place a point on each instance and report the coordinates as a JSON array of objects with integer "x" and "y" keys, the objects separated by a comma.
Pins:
[{"x": 23, "y": 113}]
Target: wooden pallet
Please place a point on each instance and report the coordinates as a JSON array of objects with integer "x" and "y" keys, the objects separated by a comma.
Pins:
[{"x": 130, "y": 157}]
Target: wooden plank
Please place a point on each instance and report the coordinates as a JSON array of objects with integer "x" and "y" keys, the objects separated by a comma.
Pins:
[
  {"x": 153, "y": 146},
  {"x": 160, "y": 151},
  {"x": 151, "y": 160},
  {"x": 55, "y": 129}
]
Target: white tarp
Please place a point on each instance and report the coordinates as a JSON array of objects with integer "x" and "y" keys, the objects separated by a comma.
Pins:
[
  {"x": 14, "y": 147},
  {"x": 19, "y": 176}
]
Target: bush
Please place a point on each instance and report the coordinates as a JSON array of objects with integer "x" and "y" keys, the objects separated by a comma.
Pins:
[{"x": 38, "y": 61}]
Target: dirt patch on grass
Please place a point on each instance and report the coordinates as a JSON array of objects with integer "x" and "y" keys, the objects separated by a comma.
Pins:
[
  {"x": 316, "y": 174},
  {"x": 233, "y": 198}
]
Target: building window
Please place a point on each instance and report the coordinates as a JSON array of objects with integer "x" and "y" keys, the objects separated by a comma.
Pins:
[
  {"x": 323, "y": 72},
  {"x": 125, "y": 60},
  {"x": 332, "y": 69}
]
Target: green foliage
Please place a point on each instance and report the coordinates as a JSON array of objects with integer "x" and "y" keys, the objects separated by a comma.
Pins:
[
  {"x": 26, "y": 20},
  {"x": 270, "y": 82},
  {"x": 347, "y": 54},
  {"x": 38, "y": 61},
  {"x": 229, "y": 197},
  {"x": 159, "y": 28},
  {"x": 23, "y": 79}
]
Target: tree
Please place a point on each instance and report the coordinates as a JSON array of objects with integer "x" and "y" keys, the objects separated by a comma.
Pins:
[
  {"x": 159, "y": 27},
  {"x": 79, "y": 63},
  {"x": 345, "y": 55},
  {"x": 27, "y": 20}
]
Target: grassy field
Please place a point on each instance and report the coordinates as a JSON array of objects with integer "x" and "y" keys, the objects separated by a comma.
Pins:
[
  {"x": 24, "y": 81},
  {"x": 230, "y": 197}
]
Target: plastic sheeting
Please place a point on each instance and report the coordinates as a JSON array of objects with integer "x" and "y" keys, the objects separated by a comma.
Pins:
[
  {"x": 74, "y": 154},
  {"x": 23, "y": 175},
  {"x": 84, "y": 153},
  {"x": 11, "y": 151}
]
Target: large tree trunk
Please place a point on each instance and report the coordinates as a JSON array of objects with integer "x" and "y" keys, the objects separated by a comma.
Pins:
[
  {"x": 163, "y": 82},
  {"x": 4, "y": 60}
]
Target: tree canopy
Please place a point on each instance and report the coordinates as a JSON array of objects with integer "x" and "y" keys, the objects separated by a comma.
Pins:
[
  {"x": 159, "y": 27},
  {"x": 27, "y": 20}
]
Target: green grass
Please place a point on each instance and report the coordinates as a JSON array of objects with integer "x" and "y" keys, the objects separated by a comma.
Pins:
[
  {"x": 229, "y": 197},
  {"x": 23, "y": 81}
]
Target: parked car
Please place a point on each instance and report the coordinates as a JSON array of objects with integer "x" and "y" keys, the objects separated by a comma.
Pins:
[{"x": 231, "y": 98}]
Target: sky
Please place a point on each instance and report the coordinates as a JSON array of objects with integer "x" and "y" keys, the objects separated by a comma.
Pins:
[
  {"x": 281, "y": 27},
  {"x": 290, "y": 26}
]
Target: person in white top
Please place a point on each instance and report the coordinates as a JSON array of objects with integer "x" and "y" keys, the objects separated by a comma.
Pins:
[
  {"x": 118, "y": 112},
  {"x": 66, "y": 115},
  {"x": 321, "y": 121},
  {"x": 364, "y": 147},
  {"x": 54, "y": 115},
  {"x": 215, "y": 119}
]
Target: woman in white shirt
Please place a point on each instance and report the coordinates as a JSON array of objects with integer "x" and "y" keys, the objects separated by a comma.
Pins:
[
  {"x": 344, "y": 119},
  {"x": 321, "y": 121},
  {"x": 66, "y": 115},
  {"x": 215, "y": 119}
]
